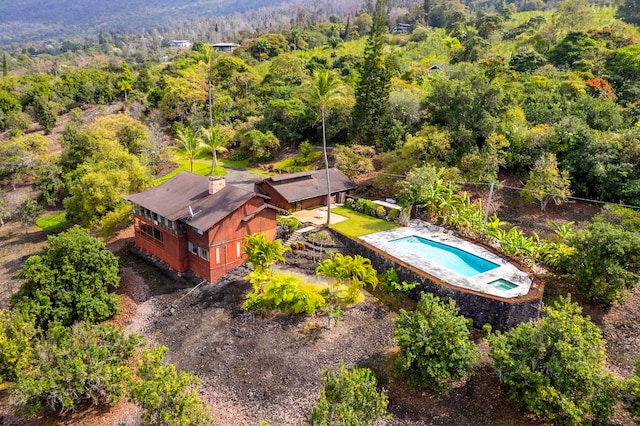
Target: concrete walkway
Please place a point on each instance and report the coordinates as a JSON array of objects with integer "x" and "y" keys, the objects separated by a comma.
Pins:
[{"x": 317, "y": 216}]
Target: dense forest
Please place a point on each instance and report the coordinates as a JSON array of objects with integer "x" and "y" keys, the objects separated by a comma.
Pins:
[{"x": 421, "y": 97}]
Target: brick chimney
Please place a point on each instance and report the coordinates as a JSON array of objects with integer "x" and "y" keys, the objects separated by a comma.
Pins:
[{"x": 216, "y": 183}]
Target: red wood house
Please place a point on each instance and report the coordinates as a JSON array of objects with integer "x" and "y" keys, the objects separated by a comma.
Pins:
[
  {"x": 298, "y": 191},
  {"x": 197, "y": 224}
]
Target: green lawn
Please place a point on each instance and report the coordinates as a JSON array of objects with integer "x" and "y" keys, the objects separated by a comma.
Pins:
[
  {"x": 202, "y": 166},
  {"x": 360, "y": 224},
  {"x": 53, "y": 221}
]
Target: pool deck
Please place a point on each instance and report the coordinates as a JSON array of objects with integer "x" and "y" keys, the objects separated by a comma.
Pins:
[{"x": 479, "y": 283}]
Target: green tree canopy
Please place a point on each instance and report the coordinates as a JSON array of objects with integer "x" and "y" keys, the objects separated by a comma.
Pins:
[
  {"x": 69, "y": 281},
  {"x": 349, "y": 398},
  {"x": 556, "y": 366},
  {"x": 435, "y": 345},
  {"x": 372, "y": 90},
  {"x": 97, "y": 187},
  {"x": 167, "y": 396},
  {"x": 69, "y": 366},
  {"x": 606, "y": 262},
  {"x": 547, "y": 183}
]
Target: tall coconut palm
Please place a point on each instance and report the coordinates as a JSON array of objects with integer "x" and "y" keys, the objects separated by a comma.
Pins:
[
  {"x": 324, "y": 90},
  {"x": 214, "y": 140},
  {"x": 208, "y": 58},
  {"x": 189, "y": 142}
]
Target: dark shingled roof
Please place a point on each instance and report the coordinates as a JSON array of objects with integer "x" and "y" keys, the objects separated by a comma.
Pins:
[
  {"x": 172, "y": 199},
  {"x": 304, "y": 185}
]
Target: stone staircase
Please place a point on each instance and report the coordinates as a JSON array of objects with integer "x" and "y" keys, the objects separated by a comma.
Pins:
[{"x": 299, "y": 234}]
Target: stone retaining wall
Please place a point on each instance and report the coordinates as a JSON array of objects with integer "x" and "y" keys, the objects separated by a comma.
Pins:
[{"x": 502, "y": 314}]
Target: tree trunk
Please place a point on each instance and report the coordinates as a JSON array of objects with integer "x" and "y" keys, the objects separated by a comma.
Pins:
[
  {"x": 214, "y": 161},
  {"x": 326, "y": 166}
]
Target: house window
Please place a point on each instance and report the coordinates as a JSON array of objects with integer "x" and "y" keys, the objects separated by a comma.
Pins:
[
  {"x": 192, "y": 248},
  {"x": 238, "y": 249},
  {"x": 217, "y": 254},
  {"x": 157, "y": 234},
  {"x": 203, "y": 253}
]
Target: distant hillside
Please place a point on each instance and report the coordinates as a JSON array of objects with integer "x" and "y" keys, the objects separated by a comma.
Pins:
[{"x": 32, "y": 20}]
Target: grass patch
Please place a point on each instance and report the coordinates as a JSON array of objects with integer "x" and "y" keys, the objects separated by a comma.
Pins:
[
  {"x": 360, "y": 224},
  {"x": 53, "y": 221},
  {"x": 202, "y": 166},
  {"x": 299, "y": 163}
]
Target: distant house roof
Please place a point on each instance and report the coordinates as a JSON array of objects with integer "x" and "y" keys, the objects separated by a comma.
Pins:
[
  {"x": 173, "y": 198},
  {"x": 181, "y": 43},
  {"x": 225, "y": 46},
  {"x": 305, "y": 185},
  {"x": 402, "y": 28}
]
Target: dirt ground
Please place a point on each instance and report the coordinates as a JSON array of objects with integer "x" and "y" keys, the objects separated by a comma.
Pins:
[{"x": 268, "y": 367}]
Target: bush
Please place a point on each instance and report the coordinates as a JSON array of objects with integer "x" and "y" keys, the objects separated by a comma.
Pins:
[
  {"x": 349, "y": 398},
  {"x": 556, "y": 367},
  {"x": 605, "y": 263},
  {"x": 238, "y": 155},
  {"x": 360, "y": 205},
  {"x": 72, "y": 365},
  {"x": 389, "y": 281},
  {"x": 632, "y": 392},
  {"x": 392, "y": 215},
  {"x": 166, "y": 396},
  {"x": 434, "y": 342},
  {"x": 381, "y": 212},
  {"x": 286, "y": 293},
  {"x": 16, "y": 333},
  {"x": 69, "y": 281},
  {"x": 350, "y": 203}
]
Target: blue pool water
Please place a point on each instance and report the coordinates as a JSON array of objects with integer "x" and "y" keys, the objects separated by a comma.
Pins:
[
  {"x": 452, "y": 258},
  {"x": 502, "y": 284}
]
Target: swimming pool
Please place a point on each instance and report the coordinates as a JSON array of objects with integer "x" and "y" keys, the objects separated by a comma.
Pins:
[
  {"x": 473, "y": 267},
  {"x": 452, "y": 258}
]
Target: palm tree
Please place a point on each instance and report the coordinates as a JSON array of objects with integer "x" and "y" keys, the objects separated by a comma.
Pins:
[
  {"x": 189, "y": 142},
  {"x": 262, "y": 253},
  {"x": 208, "y": 58},
  {"x": 263, "y": 45},
  {"x": 333, "y": 43},
  {"x": 325, "y": 89},
  {"x": 215, "y": 141}
]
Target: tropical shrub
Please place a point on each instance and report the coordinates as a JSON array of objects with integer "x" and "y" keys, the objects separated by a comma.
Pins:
[
  {"x": 389, "y": 281},
  {"x": 72, "y": 365},
  {"x": 262, "y": 253},
  {"x": 348, "y": 274},
  {"x": 349, "y": 397},
  {"x": 392, "y": 215},
  {"x": 287, "y": 293},
  {"x": 434, "y": 343},
  {"x": 556, "y": 367},
  {"x": 166, "y": 396}
]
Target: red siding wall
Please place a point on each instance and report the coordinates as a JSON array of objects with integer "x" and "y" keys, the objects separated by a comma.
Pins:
[
  {"x": 222, "y": 240},
  {"x": 276, "y": 199},
  {"x": 171, "y": 250}
]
